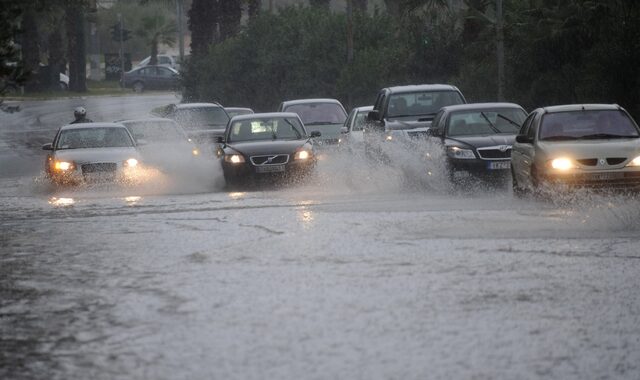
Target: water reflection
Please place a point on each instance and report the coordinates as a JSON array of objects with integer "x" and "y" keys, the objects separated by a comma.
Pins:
[
  {"x": 305, "y": 216},
  {"x": 61, "y": 202},
  {"x": 132, "y": 200},
  {"x": 236, "y": 195}
]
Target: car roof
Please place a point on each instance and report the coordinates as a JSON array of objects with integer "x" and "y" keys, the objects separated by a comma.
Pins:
[
  {"x": 421, "y": 87},
  {"x": 183, "y": 106},
  {"x": 480, "y": 106},
  {"x": 363, "y": 108},
  {"x": 146, "y": 120},
  {"x": 581, "y": 107},
  {"x": 264, "y": 115},
  {"x": 310, "y": 101},
  {"x": 238, "y": 108},
  {"x": 92, "y": 125}
]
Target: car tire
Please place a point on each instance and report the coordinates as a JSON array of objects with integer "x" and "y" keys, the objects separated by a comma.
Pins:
[{"x": 138, "y": 87}]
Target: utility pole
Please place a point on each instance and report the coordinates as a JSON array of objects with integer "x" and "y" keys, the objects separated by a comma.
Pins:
[
  {"x": 121, "y": 23},
  {"x": 179, "y": 12},
  {"x": 500, "y": 49}
]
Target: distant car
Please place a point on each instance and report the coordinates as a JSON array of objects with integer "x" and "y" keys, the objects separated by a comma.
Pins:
[
  {"x": 152, "y": 78},
  {"x": 89, "y": 152},
  {"x": 235, "y": 111},
  {"x": 203, "y": 122},
  {"x": 266, "y": 145},
  {"x": 582, "y": 145},
  {"x": 403, "y": 113},
  {"x": 477, "y": 138},
  {"x": 162, "y": 143},
  {"x": 352, "y": 132},
  {"x": 163, "y": 60},
  {"x": 326, "y": 116}
]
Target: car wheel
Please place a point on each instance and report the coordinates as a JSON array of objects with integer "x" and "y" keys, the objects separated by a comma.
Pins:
[{"x": 138, "y": 87}]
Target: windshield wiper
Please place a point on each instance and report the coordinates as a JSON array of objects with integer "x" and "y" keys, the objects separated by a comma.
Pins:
[
  {"x": 321, "y": 123},
  {"x": 493, "y": 127},
  {"x": 509, "y": 120},
  {"x": 559, "y": 138},
  {"x": 596, "y": 136}
]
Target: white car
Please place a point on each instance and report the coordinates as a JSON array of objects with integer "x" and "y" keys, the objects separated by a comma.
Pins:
[
  {"x": 163, "y": 60},
  {"x": 87, "y": 152},
  {"x": 352, "y": 132}
]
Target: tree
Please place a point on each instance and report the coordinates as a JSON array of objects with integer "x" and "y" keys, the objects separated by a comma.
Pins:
[
  {"x": 156, "y": 28},
  {"x": 203, "y": 21},
  {"x": 324, "y": 4},
  {"x": 229, "y": 17},
  {"x": 12, "y": 71}
]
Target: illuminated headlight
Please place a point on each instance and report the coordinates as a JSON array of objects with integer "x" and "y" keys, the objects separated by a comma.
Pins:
[
  {"x": 131, "y": 163},
  {"x": 302, "y": 155},
  {"x": 634, "y": 162},
  {"x": 388, "y": 138},
  {"x": 234, "y": 158},
  {"x": 63, "y": 166},
  {"x": 459, "y": 153},
  {"x": 562, "y": 164},
  {"x": 195, "y": 152}
]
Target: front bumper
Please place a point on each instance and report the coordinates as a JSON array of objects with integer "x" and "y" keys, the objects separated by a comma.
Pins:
[
  {"x": 82, "y": 174},
  {"x": 249, "y": 172},
  {"x": 480, "y": 167},
  {"x": 626, "y": 178}
]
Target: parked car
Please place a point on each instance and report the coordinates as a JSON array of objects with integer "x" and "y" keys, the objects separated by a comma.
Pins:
[
  {"x": 64, "y": 82},
  {"x": 477, "y": 138},
  {"x": 235, "y": 111},
  {"x": 580, "y": 145},
  {"x": 163, "y": 60},
  {"x": 203, "y": 122},
  {"x": 162, "y": 143},
  {"x": 403, "y": 113},
  {"x": 152, "y": 78},
  {"x": 266, "y": 146},
  {"x": 326, "y": 116},
  {"x": 352, "y": 132},
  {"x": 88, "y": 152}
]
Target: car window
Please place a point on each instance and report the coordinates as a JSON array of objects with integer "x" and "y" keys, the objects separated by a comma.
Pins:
[
  {"x": 164, "y": 72},
  {"x": 319, "y": 113},
  {"x": 360, "y": 120},
  {"x": 527, "y": 123},
  {"x": 200, "y": 118},
  {"x": 156, "y": 131},
  {"x": 164, "y": 60},
  {"x": 94, "y": 137},
  {"x": 280, "y": 128},
  {"x": 421, "y": 103},
  {"x": 587, "y": 124},
  {"x": 437, "y": 119}
]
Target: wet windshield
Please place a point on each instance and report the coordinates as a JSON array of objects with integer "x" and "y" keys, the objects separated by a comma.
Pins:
[
  {"x": 279, "y": 128},
  {"x": 587, "y": 124},
  {"x": 94, "y": 138},
  {"x": 319, "y": 113},
  {"x": 485, "y": 122},
  {"x": 421, "y": 103},
  {"x": 197, "y": 118},
  {"x": 155, "y": 131}
]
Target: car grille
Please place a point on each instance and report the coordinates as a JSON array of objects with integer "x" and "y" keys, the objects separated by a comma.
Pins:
[
  {"x": 104, "y": 167},
  {"x": 494, "y": 153},
  {"x": 274, "y": 159},
  {"x": 612, "y": 180},
  {"x": 588, "y": 161},
  {"x": 615, "y": 160}
]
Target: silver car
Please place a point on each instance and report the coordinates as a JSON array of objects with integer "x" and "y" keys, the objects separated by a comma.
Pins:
[
  {"x": 87, "y": 152},
  {"x": 585, "y": 145}
]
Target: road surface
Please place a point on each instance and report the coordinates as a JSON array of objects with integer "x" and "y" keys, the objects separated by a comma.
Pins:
[{"x": 360, "y": 273}]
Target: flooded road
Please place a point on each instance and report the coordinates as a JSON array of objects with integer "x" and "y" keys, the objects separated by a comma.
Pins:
[{"x": 355, "y": 274}]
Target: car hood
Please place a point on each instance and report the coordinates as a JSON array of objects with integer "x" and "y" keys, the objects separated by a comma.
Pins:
[
  {"x": 481, "y": 141},
  {"x": 328, "y": 131},
  {"x": 581, "y": 149},
  {"x": 398, "y": 125},
  {"x": 255, "y": 148},
  {"x": 96, "y": 155}
]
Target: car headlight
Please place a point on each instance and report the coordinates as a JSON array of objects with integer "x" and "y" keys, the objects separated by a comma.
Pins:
[
  {"x": 460, "y": 153},
  {"x": 131, "y": 163},
  {"x": 562, "y": 164},
  {"x": 634, "y": 162},
  {"x": 234, "y": 158},
  {"x": 195, "y": 151},
  {"x": 302, "y": 155},
  {"x": 63, "y": 166}
]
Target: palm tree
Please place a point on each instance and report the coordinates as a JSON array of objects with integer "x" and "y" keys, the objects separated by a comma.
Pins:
[{"x": 157, "y": 29}]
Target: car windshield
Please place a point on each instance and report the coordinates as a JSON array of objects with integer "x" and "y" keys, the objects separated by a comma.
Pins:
[
  {"x": 277, "y": 128},
  {"x": 197, "y": 118},
  {"x": 592, "y": 124},
  {"x": 155, "y": 131},
  {"x": 319, "y": 113},
  {"x": 358, "y": 123},
  {"x": 485, "y": 122},
  {"x": 422, "y": 103},
  {"x": 96, "y": 137}
]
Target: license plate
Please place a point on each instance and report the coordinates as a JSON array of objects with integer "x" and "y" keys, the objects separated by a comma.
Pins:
[
  {"x": 270, "y": 169},
  {"x": 499, "y": 165},
  {"x": 605, "y": 176}
]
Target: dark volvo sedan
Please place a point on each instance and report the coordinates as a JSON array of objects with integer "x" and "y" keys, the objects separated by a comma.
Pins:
[
  {"x": 266, "y": 146},
  {"x": 478, "y": 137}
]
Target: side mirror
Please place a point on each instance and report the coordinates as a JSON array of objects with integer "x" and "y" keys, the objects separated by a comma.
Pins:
[
  {"x": 524, "y": 139},
  {"x": 315, "y": 134},
  {"x": 373, "y": 115},
  {"x": 436, "y": 132},
  {"x": 344, "y": 130},
  {"x": 47, "y": 146},
  {"x": 220, "y": 139}
]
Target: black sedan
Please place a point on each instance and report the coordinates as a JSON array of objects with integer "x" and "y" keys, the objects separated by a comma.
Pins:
[
  {"x": 266, "y": 146},
  {"x": 478, "y": 137}
]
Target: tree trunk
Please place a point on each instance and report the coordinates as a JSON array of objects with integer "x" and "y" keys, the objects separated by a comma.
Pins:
[
  {"x": 230, "y": 16},
  {"x": 56, "y": 57},
  {"x": 360, "y": 5},
  {"x": 76, "y": 48},
  {"x": 203, "y": 19},
  {"x": 254, "y": 7},
  {"x": 31, "y": 49},
  {"x": 154, "y": 51}
]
